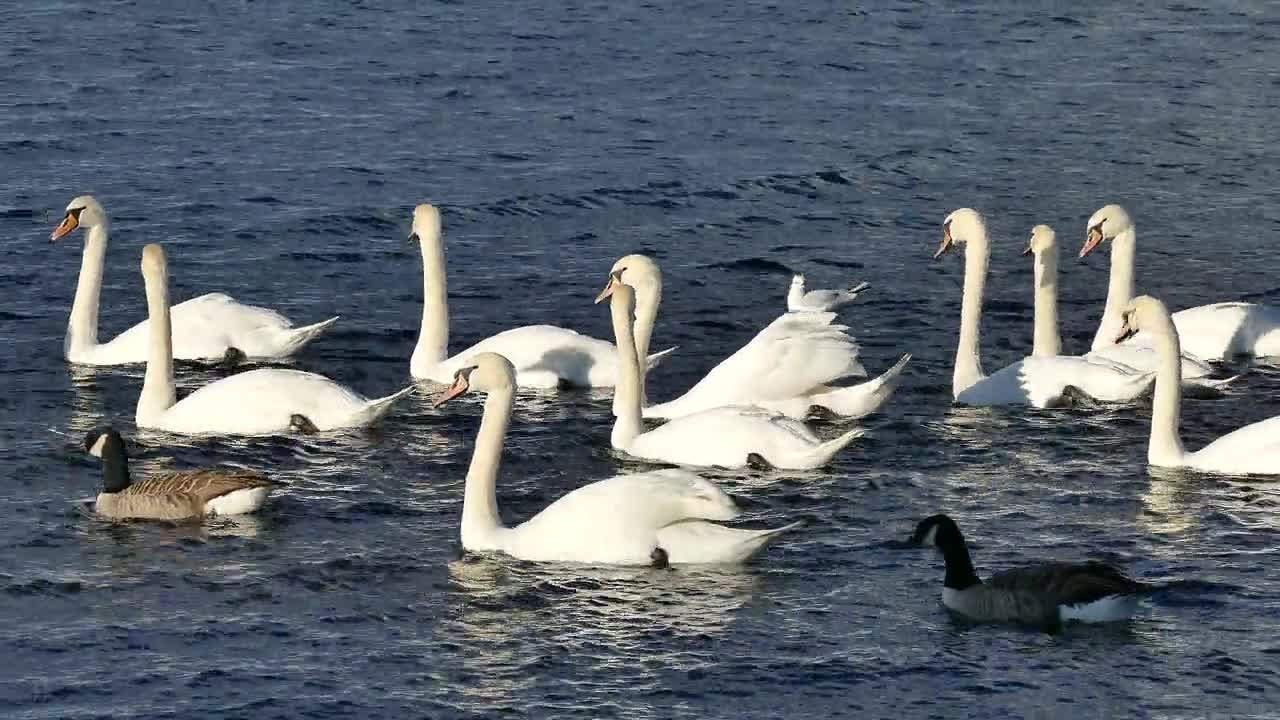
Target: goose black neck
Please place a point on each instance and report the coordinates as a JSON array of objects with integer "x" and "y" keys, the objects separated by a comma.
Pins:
[
  {"x": 115, "y": 465},
  {"x": 960, "y": 573}
]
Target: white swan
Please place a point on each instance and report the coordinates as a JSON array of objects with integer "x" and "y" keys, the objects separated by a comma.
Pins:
[
  {"x": 798, "y": 300},
  {"x": 251, "y": 403},
  {"x": 719, "y": 437},
  {"x": 1253, "y": 449},
  {"x": 545, "y": 356},
  {"x": 787, "y": 367},
  {"x": 1209, "y": 332},
  {"x": 654, "y": 517},
  {"x": 1038, "y": 381},
  {"x": 204, "y": 327}
]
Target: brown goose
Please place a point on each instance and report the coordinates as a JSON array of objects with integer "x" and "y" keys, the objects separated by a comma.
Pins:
[
  {"x": 186, "y": 495},
  {"x": 1046, "y": 594}
]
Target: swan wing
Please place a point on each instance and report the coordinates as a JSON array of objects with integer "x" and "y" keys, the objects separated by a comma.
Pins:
[
  {"x": 1253, "y": 449},
  {"x": 204, "y": 327},
  {"x": 543, "y": 355},
  {"x": 617, "y": 520},
  {"x": 724, "y": 437},
  {"x": 797, "y": 354},
  {"x": 263, "y": 401}
]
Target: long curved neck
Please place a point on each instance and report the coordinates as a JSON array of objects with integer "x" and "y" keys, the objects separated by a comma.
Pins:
[
  {"x": 480, "y": 519},
  {"x": 960, "y": 574},
  {"x": 647, "y": 301},
  {"x": 1165, "y": 447},
  {"x": 158, "y": 393},
  {"x": 1124, "y": 247},
  {"x": 433, "y": 338},
  {"x": 795, "y": 294},
  {"x": 968, "y": 370},
  {"x": 115, "y": 472},
  {"x": 82, "y": 328},
  {"x": 626, "y": 407},
  {"x": 1047, "y": 343}
]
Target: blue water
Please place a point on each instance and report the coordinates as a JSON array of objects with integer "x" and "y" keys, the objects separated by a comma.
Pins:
[{"x": 277, "y": 153}]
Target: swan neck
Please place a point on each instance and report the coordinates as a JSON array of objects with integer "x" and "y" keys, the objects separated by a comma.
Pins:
[
  {"x": 627, "y": 408},
  {"x": 1047, "y": 342},
  {"x": 647, "y": 301},
  {"x": 795, "y": 295},
  {"x": 158, "y": 392},
  {"x": 1119, "y": 288},
  {"x": 82, "y": 328},
  {"x": 433, "y": 338},
  {"x": 968, "y": 369},
  {"x": 1166, "y": 446},
  {"x": 480, "y": 519}
]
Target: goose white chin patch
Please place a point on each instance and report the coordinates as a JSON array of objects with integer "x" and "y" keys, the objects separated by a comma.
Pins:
[
  {"x": 930, "y": 537},
  {"x": 96, "y": 450}
]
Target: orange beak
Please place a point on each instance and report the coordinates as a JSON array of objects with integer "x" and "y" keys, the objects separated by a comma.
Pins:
[
  {"x": 946, "y": 240},
  {"x": 69, "y": 223},
  {"x": 458, "y": 387},
  {"x": 608, "y": 289},
  {"x": 1091, "y": 240}
]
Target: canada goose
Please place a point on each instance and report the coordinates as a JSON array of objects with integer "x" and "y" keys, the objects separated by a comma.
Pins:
[
  {"x": 1046, "y": 594},
  {"x": 185, "y": 495}
]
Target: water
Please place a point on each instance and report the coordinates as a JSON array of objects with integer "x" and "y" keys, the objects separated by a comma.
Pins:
[{"x": 278, "y": 153}]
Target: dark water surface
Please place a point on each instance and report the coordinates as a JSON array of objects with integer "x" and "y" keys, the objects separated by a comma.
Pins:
[{"x": 278, "y": 153}]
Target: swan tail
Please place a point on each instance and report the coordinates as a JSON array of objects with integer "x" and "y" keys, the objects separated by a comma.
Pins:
[
  {"x": 702, "y": 542},
  {"x": 860, "y": 400},
  {"x": 297, "y": 338},
  {"x": 820, "y": 454},
  {"x": 656, "y": 359},
  {"x": 375, "y": 409}
]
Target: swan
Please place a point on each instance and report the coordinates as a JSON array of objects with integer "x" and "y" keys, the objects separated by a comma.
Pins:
[
  {"x": 728, "y": 437},
  {"x": 256, "y": 402},
  {"x": 819, "y": 300},
  {"x": 1252, "y": 449},
  {"x": 1037, "y": 381},
  {"x": 1046, "y": 594},
  {"x": 545, "y": 356},
  {"x": 787, "y": 367},
  {"x": 204, "y": 327},
  {"x": 1116, "y": 380},
  {"x": 186, "y": 495},
  {"x": 654, "y": 517},
  {"x": 1209, "y": 332}
]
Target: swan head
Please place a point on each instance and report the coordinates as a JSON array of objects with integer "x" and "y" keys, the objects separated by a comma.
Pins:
[
  {"x": 1105, "y": 224},
  {"x": 620, "y": 294},
  {"x": 938, "y": 530},
  {"x": 638, "y": 271},
  {"x": 1043, "y": 238},
  {"x": 961, "y": 226},
  {"x": 153, "y": 261},
  {"x": 426, "y": 223},
  {"x": 83, "y": 211},
  {"x": 1143, "y": 313},
  {"x": 485, "y": 372}
]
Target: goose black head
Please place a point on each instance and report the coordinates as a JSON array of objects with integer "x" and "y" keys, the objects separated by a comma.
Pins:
[
  {"x": 105, "y": 443},
  {"x": 938, "y": 530}
]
